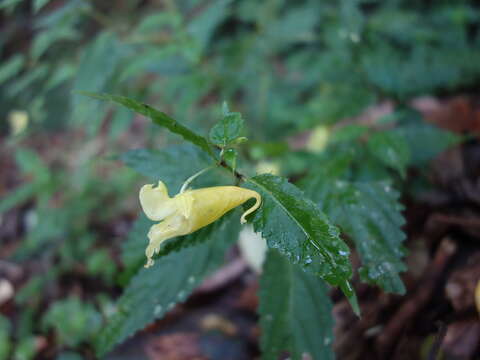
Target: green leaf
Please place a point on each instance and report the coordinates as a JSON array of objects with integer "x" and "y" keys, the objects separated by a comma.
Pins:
[
  {"x": 391, "y": 149},
  {"x": 157, "y": 117},
  {"x": 46, "y": 39},
  {"x": 38, "y": 4},
  {"x": 26, "y": 80},
  {"x": 228, "y": 129},
  {"x": 173, "y": 165},
  {"x": 5, "y": 341},
  {"x": 156, "y": 22},
  {"x": 294, "y": 225},
  {"x": 11, "y": 67},
  {"x": 9, "y": 4},
  {"x": 74, "y": 321},
  {"x": 426, "y": 141},
  {"x": 133, "y": 248},
  {"x": 201, "y": 28},
  {"x": 18, "y": 196},
  {"x": 347, "y": 133},
  {"x": 31, "y": 165},
  {"x": 154, "y": 291},
  {"x": 96, "y": 67},
  {"x": 370, "y": 214},
  {"x": 121, "y": 121},
  {"x": 295, "y": 312}
]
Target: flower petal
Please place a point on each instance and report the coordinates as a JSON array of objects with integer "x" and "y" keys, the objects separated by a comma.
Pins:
[
  {"x": 155, "y": 202},
  {"x": 174, "y": 225}
]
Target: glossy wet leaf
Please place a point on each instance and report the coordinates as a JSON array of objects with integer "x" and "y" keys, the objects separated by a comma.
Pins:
[
  {"x": 370, "y": 214},
  {"x": 295, "y": 226},
  {"x": 295, "y": 312}
]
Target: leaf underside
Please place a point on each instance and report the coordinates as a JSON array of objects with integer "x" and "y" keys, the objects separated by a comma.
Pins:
[{"x": 164, "y": 164}]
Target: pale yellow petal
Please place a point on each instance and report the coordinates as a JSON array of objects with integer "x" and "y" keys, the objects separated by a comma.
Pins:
[
  {"x": 184, "y": 204},
  {"x": 156, "y": 203},
  {"x": 174, "y": 225}
]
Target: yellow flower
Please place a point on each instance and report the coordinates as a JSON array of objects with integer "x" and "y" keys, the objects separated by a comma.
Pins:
[{"x": 188, "y": 211}]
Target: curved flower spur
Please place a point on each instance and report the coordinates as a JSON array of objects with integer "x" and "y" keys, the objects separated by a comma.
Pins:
[{"x": 188, "y": 211}]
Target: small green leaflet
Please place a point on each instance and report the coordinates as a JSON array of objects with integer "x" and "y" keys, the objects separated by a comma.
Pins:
[
  {"x": 228, "y": 129},
  {"x": 294, "y": 225},
  {"x": 391, "y": 149},
  {"x": 157, "y": 117},
  {"x": 295, "y": 312},
  {"x": 154, "y": 291},
  {"x": 370, "y": 214}
]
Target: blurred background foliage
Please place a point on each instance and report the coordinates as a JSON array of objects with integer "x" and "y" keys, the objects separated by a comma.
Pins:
[{"x": 287, "y": 66}]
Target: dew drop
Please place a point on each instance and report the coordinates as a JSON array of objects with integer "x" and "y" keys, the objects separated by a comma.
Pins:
[
  {"x": 343, "y": 253},
  {"x": 327, "y": 341},
  {"x": 170, "y": 306},
  {"x": 191, "y": 280},
  {"x": 157, "y": 310},
  {"x": 181, "y": 295},
  {"x": 268, "y": 317}
]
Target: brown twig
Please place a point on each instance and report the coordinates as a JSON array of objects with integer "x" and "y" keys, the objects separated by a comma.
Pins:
[{"x": 417, "y": 301}]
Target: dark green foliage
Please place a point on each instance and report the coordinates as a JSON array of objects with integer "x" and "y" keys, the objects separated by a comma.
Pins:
[
  {"x": 154, "y": 291},
  {"x": 172, "y": 165},
  {"x": 289, "y": 67},
  {"x": 73, "y": 321},
  {"x": 96, "y": 68},
  {"x": 295, "y": 312},
  {"x": 391, "y": 149},
  {"x": 293, "y": 224},
  {"x": 157, "y": 117},
  {"x": 370, "y": 214},
  {"x": 133, "y": 247},
  {"x": 31, "y": 166},
  {"x": 425, "y": 141}
]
